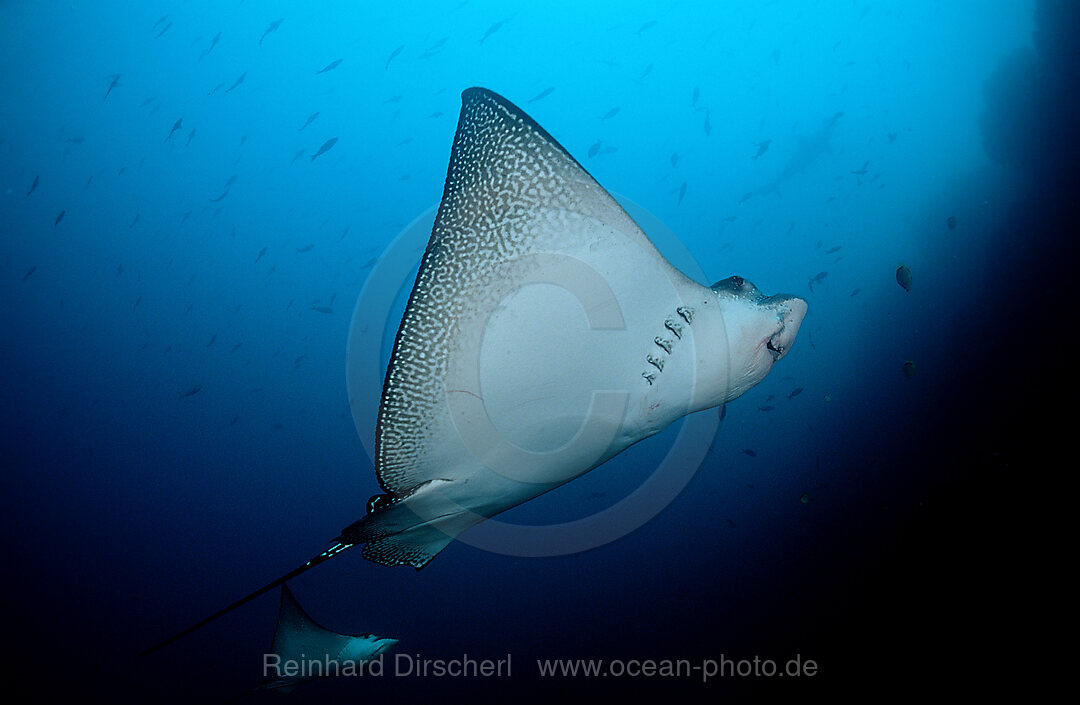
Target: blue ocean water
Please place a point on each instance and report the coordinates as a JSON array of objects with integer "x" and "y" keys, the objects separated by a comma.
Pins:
[{"x": 180, "y": 266}]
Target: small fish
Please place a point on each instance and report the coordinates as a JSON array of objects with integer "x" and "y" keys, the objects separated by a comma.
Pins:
[
  {"x": 493, "y": 29},
  {"x": 147, "y": 102},
  {"x": 306, "y": 248},
  {"x": 175, "y": 127},
  {"x": 646, "y": 72},
  {"x": 37, "y": 180},
  {"x": 296, "y": 156},
  {"x": 862, "y": 171},
  {"x": 393, "y": 54},
  {"x": 722, "y": 412},
  {"x": 833, "y": 249},
  {"x": 326, "y": 147},
  {"x": 595, "y": 149},
  {"x": 160, "y": 20},
  {"x": 694, "y": 97},
  {"x": 682, "y": 193},
  {"x": 237, "y": 82},
  {"x": 261, "y": 253},
  {"x": 610, "y": 114},
  {"x": 674, "y": 158},
  {"x": 856, "y": 292},
  {"x": 273, "y": 26},
  {"x": 163, "y": 31},
  {"x": 113, "y": 83},
  {"x": 216, "y": 88},
  {"x": 212, "y": 339},
  {"x": 59, "y": 218},
  {"x": 908, "y": 368},
  {"x": 892, "y": 137},
  {"x": 133, "y": 221},
  {"x": 542, "y": 94},
  {"x": 235, "y": 347},
  {"x": 213, "y": 43},
  {"x": 329, "y": 67},
  {"x": 139, "y": 301},
  {"x": 29, "y": 272},
  {"x": 766, "y": 408},
  {"x": 434, "y": 48},
  {"x": 903, "y": 276},
  {"x": 749, "y": 452},
  {"x": 951, "y": 222},
  {"x": 648, "y": 25},
  {"x": 219, "y": 198},
  {"x": 729, "y": 521},
  {"x": 762, "y": 147},
  {"x": 795, "y": 392},
  {"x": 235, "y": 418},
  {"x": 817, "y": 279},
  {"x": 770, "y": 398},
  {"x": 311, "y": 119},
  {"x": 805, "y": 498},
  {"x": 190, "y": 137},
  {"x": 192, "y": 392},
  {"x": 322, "y": 309}
]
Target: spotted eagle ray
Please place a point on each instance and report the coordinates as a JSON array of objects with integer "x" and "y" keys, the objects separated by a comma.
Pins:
[{"x": 535, "y": 289}]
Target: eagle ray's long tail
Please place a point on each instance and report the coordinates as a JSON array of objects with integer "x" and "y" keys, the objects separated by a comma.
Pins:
[{"x": 336, "y": 548}]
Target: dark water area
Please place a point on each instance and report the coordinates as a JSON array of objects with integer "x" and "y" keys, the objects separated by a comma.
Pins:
[{"x": 177, "y": 430}]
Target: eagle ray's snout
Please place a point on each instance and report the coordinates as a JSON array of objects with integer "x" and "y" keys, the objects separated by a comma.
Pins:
[{"x": 791, "y": 310}]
